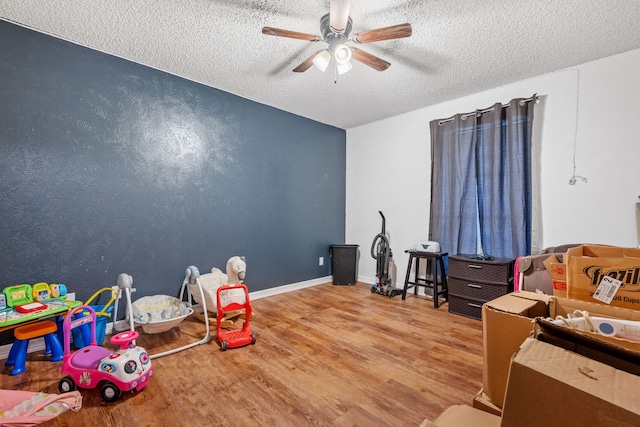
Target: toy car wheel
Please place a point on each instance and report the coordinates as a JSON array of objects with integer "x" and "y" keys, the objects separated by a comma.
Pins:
[
  {"x": 253, "y": 338},
  {"x": 66, "y": 385},
  {"x": 223, "y": 345},
  {"x": 373, "y": 289},
  {"x": 110, "y": 393}
]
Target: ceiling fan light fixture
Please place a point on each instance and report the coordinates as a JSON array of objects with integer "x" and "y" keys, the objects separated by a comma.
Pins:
[
  {"x": 322, "y": 60},
  {"x": 344, "y": 68},
  {"x": 342, "y": 54}
]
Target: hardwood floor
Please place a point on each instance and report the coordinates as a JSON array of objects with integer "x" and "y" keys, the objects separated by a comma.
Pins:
[{"x": 325, "y": 356}]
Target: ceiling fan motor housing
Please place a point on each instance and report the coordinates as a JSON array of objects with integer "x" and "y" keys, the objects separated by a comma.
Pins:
[{"x": 331, "y": 37}]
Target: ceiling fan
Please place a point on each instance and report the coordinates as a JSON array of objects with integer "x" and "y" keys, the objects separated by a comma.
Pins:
[{"x": 336, "y": 32}]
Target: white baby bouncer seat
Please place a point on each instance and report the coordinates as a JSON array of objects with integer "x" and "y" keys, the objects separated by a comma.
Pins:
[{"x": 160, "y": 313}]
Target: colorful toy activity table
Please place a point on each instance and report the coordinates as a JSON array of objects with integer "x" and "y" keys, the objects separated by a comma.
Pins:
[{"x": 11, "y": 318}]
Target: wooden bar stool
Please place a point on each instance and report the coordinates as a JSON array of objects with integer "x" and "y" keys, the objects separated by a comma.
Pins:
[
  {"x": 435, "y": 262},
  {"x": 18, "y": 353}
]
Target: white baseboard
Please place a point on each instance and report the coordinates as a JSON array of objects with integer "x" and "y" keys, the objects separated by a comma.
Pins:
[
  {"x": 289, "y": 288},
  {"x": 37, "y": 344},
  {"x": 368, "y": 280},
  {"x": 372, "y": 280}
]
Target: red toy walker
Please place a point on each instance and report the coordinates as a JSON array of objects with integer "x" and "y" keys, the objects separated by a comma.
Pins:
[{"x": 237, "y": 337}]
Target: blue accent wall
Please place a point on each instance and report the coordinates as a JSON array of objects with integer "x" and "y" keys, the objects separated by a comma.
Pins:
[{"x": 108, "y": 167}]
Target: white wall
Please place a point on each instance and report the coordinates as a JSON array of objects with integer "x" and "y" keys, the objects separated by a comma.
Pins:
[{"x": 593, "y": 107}]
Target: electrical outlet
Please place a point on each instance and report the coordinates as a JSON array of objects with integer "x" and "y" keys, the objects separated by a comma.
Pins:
[{"x": 321, "y": 260}]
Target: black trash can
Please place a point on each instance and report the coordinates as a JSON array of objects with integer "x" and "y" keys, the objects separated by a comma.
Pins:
[{"x": 344, "y": 264}]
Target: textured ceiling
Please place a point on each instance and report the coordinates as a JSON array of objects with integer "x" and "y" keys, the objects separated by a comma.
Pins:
[{"x": 457, "y": 47}]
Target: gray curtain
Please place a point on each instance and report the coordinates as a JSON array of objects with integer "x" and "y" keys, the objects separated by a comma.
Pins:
[
  {"x": 481, "y": 181},
  {"x": 504, "y": 179},
  {"x": 453, "y": 216}
]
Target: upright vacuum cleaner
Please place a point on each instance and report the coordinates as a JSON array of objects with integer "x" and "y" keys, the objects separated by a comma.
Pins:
[{"x": 383, "y": 256}]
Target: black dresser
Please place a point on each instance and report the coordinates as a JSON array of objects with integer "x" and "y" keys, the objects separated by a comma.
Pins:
[{"x": 472, "y": 282}]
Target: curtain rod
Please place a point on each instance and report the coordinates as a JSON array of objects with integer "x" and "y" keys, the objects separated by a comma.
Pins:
[{"x": 487, "y": 110}]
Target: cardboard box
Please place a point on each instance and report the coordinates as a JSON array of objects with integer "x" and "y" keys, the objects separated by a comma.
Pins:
[
  {"x": 566, "y": 306},
  {"x": 549, "y": 386},
  {"x": 618, "y": 352},
  {"x": 589, "y": 345},
  {"x": 587, "y": 264},
  {"x": 463, "y": 416},
  {"x": 481, "y": 401},
  {"x": 506, "y": 322},
  {"x": 558, "y": 273}
]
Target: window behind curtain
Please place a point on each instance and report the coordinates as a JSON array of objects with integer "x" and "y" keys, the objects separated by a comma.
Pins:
[{"x": 481, "y": 181}]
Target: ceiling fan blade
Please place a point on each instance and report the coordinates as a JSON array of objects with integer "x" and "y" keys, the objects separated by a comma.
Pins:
[
  {"x": 339, "y": 15},
  {"x": 387, "y": 33},
  {"x": 270, "y": 31},
  {"x": 369, "y": 59},
  {"x": 307, "y": 63}
]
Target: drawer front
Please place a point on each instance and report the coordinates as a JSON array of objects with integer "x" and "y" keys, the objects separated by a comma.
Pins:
[
  {"x": 465, "y": 307},
  {"x": 481, "y": 272},
  {"x": 479, "y": 291}
]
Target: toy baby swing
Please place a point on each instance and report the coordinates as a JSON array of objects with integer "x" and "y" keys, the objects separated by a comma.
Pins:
[{"x": 160, "y": 313}]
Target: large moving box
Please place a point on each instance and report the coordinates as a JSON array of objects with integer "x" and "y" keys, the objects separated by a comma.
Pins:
[
  {"x": 549, "y": 386},
  {"x": 509, "y": 320},
  {"x": 506, "y": 322},
  {"x": 588, "y": 264},
  {"x": 552, "y": 387}
]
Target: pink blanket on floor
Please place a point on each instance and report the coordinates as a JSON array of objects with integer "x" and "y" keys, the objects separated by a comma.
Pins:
[{"x": 26, "y": 408}]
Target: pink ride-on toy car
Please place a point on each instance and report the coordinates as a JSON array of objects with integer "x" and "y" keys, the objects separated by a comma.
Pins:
[{"x": 127, "y": 369}]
